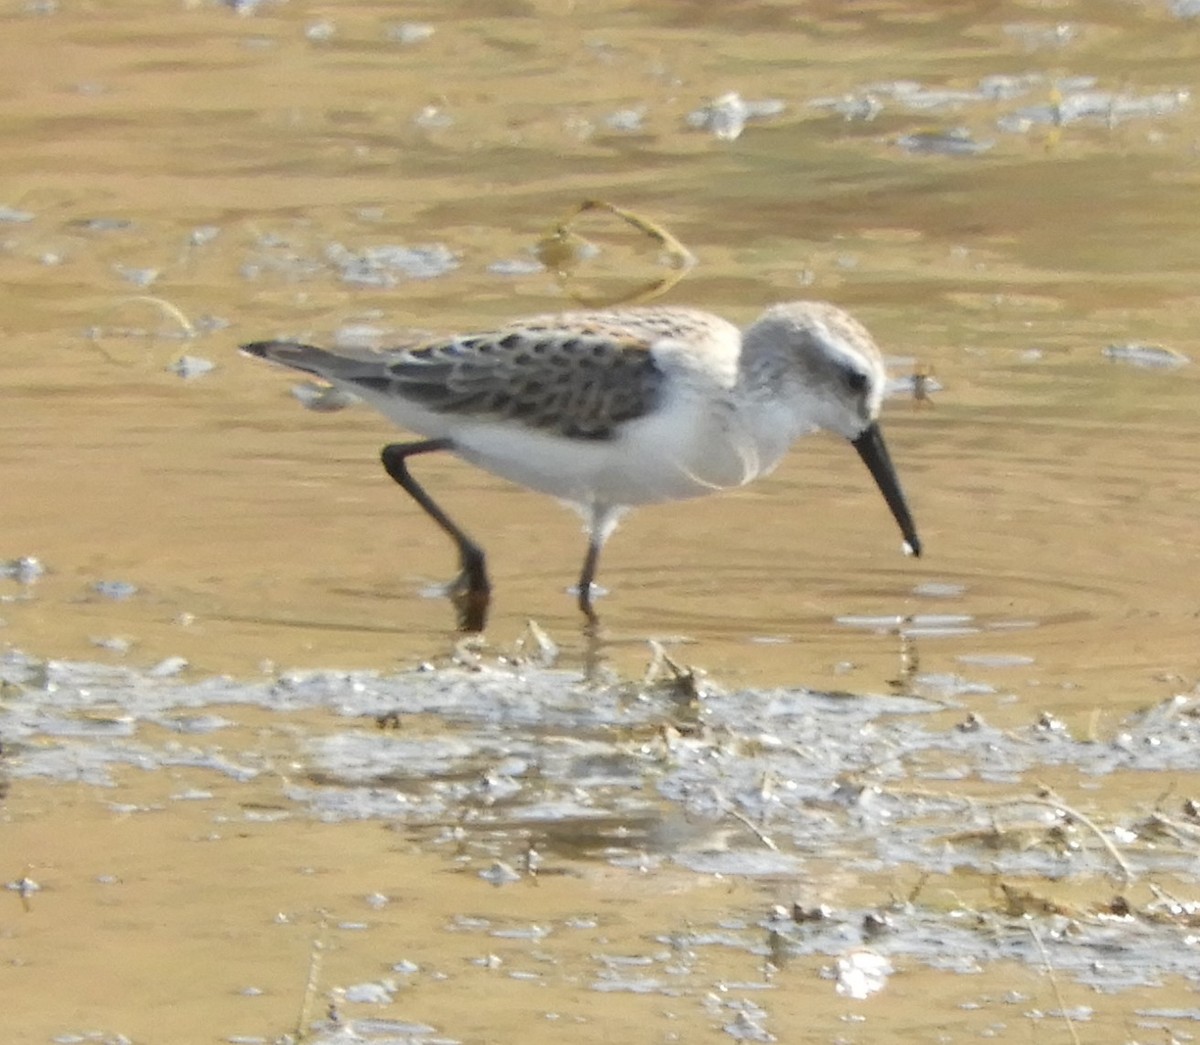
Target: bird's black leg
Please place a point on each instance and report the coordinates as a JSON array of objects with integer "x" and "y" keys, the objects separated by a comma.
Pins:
[
  {"x": 588, "y": 576},
  {"x": 602, "y": 522},
  {"x": 471, "y": 591}
]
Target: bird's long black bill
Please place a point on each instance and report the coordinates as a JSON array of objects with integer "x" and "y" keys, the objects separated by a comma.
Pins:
[{"x": 872, "y": 449}]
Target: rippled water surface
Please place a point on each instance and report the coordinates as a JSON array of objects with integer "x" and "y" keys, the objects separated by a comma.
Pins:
[{"x": 206, "y": 841}]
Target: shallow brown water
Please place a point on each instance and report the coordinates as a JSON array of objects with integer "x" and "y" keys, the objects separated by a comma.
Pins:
[{"x": 1055, "y": 488}]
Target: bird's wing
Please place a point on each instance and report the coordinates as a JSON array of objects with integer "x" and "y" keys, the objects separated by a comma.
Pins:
[{"x": 577, "y": 374}]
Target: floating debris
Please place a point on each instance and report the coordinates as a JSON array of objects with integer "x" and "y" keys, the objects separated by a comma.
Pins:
[
  {"x": 409, "y": 33},
  {"x": 186, "y": 329},
  {"x": 101, "y": 224},
  {"x": 868, "y": 101},
  {"x": 749, "y": 1024},
  {"x": 561, "y": 250},
  {"x": 139, "y": 277},
  {"x": 208, "y": 324},
  {"x": 726, "y": 117},
  {"x": 626, "y": 121},
  {"x": 945, "y": 686},
  {"x": 1149, "y": 357},
  {"x": 289, "y": 267},
  {"x": 320, "y": 32},
  {"x": 1072, "y": 105},
  {"x": 1002, "y": 87},
  {"x": 995, "y": 660},
  {"x": 12, "y": 216},
  {"x": 878, "y": 624},
  {"x": 359, "y": 336},
  {"x": 203, "y": 234},
  {"x": 516, "y": 267},
  {"x": 188, "y": 367},
  {"x": 851, "y": 106},
  {"x": 536, "y": 646},
  {"x": 24, "y": 570},
  {"x": 380, "y": 266},
  {"x": 24, "y": 886},
  {"x": 919, "y": 385},
  {"x": 168, "y": 667},
  {"x": 499, "y": 874},
  {"x": 954, "y": 142},
  {"x": 1115, "y": 107},
  {"x": 323, "y": 399},
  {"x": 918, "y": 96},
  {"x": 1035, "y": 35},
  {"x": 939, "y": 625},
  {"x": 862, "y": 973},
  {"x": 1069, "y": 99},
  {"x": 118, "y": 591},
  {"x": 940, "y": 590},
  {"x": 370, "y": 993},
  {"x": 433, "y": 117}
]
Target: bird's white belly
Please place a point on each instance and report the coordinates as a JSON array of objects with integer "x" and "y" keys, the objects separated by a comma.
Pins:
[
  {"x": 688, "y": 448},
  {"x": 653, "y": 459}
]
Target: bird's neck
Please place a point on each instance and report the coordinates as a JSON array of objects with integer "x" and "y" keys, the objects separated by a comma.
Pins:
[{"x": 776, "y": 404}]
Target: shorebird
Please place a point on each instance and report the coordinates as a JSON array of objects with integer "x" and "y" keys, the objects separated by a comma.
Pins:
[{"x": 611, "y": 409}]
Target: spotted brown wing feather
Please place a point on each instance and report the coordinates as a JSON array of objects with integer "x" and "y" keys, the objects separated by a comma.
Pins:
[{"x": 581, "y": 384}]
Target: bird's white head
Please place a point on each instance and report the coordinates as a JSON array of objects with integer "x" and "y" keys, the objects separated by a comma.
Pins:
[
  {"x": 831, "y": 374},
  {"x": 824, "y": 361}
]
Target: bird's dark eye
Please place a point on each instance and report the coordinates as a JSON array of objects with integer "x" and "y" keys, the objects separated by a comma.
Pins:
[{"x": 855, "y": 379}]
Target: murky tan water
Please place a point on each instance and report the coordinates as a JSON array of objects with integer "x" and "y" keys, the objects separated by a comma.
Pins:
[{"x": 1056, "y": 489}]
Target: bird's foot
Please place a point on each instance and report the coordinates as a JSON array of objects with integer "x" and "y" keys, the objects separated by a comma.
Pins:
[{"x": 470, "y": 595}]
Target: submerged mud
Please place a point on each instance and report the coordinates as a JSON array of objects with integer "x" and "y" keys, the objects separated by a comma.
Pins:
[{"x": 521, "y": 771}]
